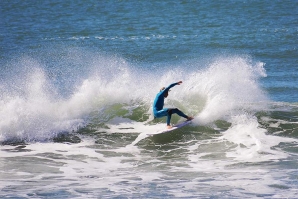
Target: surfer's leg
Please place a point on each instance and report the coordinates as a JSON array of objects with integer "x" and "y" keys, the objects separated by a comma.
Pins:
[
  {"x": 169, "y": 119},
  {"x": 178, "y": 112},
  {"x": 161, "y": 113}
]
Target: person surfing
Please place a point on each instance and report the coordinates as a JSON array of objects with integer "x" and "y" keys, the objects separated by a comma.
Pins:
[{"x": 158, "y": 104}]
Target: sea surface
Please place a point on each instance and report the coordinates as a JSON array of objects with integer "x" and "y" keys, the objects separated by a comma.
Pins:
[{"x": 78, "y": 79}]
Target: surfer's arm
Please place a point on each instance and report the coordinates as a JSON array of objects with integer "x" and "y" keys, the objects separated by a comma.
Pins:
[{"x": 171, "y": 86}]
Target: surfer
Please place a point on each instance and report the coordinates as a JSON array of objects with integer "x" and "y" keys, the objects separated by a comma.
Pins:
[{"x": 158, "y": 104}]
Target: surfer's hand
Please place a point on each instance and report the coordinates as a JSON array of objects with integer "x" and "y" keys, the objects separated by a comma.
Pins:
[{"x": 180, "y": 82}]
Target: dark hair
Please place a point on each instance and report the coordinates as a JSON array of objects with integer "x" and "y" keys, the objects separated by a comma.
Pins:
[{"x": 163, "y": 88}]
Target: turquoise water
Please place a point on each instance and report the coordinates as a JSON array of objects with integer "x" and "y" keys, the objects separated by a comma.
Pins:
[{"x": 78, "y": 79}]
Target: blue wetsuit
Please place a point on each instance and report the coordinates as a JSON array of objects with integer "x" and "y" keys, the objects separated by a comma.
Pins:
[{"x": 158, "y": 104}]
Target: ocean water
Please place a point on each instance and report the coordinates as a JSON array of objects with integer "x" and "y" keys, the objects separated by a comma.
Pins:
[{"x": 78, "y": 79}]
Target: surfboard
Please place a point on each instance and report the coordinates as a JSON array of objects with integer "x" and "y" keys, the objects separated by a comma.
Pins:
[{"x": 177, "y": 126}]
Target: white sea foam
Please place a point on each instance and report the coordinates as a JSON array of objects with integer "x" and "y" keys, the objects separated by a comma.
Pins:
[
  {"x": 225, "y": 89},
  {"x": 230, "y": 85},
  {"x": 34, "y": 114},
  {"x": 32, "y": 109},
  {"x": 253, "y": 144}
]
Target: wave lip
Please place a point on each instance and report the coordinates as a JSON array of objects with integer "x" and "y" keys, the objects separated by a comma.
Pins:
[{"x": 230, "y": 86}]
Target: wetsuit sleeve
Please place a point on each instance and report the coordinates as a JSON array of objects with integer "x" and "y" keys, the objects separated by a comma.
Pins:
[{"x": 170, "y": 86}]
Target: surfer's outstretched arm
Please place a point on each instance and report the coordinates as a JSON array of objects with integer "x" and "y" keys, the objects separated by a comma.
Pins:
[{"x": 171, "y": 86}]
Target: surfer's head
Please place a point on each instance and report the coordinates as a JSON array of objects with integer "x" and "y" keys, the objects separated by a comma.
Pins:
[{"x": 166, "y": 94}]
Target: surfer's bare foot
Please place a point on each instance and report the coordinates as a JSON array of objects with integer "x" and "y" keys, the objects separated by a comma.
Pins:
[
  {"x": 169, "y": 127},
  {"x": 189, "y": 118}
]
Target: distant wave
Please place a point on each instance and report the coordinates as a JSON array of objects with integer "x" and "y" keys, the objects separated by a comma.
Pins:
[{"x": 122, "y": 38}]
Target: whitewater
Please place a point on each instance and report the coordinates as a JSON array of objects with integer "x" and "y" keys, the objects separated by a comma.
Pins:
[
  {"x": 37, "y": 106},
  {"x": 77, "y": 83},
  {"x": 91, "y": 136}
]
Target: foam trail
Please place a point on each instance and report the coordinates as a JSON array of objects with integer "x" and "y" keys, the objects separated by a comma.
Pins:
[
  {"x": 138, "y": 139},
  {"x": 145, "y": 130}
]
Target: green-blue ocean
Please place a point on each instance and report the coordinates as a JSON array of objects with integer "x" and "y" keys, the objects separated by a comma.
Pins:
[{"x": 78, "y": 79}]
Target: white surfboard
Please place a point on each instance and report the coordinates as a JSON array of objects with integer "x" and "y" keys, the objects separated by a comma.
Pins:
[{"x": 177, "y": 126}]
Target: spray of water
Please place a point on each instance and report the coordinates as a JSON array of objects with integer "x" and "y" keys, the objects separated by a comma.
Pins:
[{"x": 42, "y": 101}]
